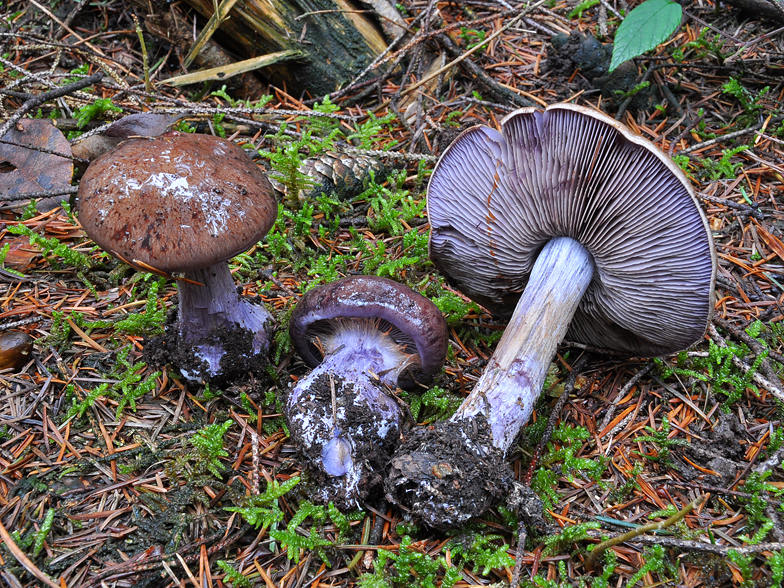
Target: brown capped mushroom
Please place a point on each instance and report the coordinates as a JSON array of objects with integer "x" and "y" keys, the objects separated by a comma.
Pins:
[
  {"x": 187, "y": 203},
  {"x": 16, "y": 350}
]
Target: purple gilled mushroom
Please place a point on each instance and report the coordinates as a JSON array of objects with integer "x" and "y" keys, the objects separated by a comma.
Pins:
[
  {"x": 602, "y": 235},
  {"x": 364, "y": 336},
  {"x": 187, "y": 203}
]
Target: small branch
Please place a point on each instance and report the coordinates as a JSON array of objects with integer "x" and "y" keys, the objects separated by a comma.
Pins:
[
  {"x": 739, "y": 363},
  {"x": 47, "y": 151},
  {"x": 685, "y": 132},
  {"x": 522, "y": 534},
  {"x": 720, "y": 550},
  {"x": 724, "y": 138},
  {"x": 40, "y": 99},
  {"x": 33, "y": 195},
  {"x": 771, "y": 463},
  {"x": 721, "y": 491},
  {"x": 590, "y": 563},
  {"x": 755, "y": 345},
  {"x": 499, "y": 92},
  {"x": 742, "y": 208},
  {"x": 20, "y": 323}
]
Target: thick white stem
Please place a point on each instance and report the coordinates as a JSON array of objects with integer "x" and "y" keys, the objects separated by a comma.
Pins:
[{"x": 510, "y": 385}]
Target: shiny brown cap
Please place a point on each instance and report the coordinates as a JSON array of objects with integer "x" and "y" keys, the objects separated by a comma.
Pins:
[{"x": 177, "y": 202}]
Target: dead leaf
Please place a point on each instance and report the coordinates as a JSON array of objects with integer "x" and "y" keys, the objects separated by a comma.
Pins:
[
  {"x": 24, "y": 170},
  {"x": 20, "y": 252}
]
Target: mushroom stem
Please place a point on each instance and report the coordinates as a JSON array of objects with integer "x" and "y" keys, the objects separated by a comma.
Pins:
[
  {"x": 206, "y": 308},
  {"x": 341, "y": 414},
  {"x": 510, "y": 385}
]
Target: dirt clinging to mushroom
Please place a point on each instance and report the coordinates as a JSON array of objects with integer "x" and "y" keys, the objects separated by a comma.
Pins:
[
  {"x": 311, "y": 417},
  {"x": 238, "y": 363},
  {"x": 435, "y": 471}
]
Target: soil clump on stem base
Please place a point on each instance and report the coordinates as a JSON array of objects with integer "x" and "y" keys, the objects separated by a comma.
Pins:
[
  {"x": 238, "y": 364},
  {"x": 350, "y": 414},
  {"x": 435, "y": 473}
]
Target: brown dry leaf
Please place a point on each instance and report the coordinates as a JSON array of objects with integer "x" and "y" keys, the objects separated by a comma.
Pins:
[
  {"x": 20, "y": 252},
  {"x": 25, "y": 170}
]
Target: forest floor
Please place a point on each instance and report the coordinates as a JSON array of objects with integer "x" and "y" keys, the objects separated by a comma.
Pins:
[{"x": 118, "y": 473}]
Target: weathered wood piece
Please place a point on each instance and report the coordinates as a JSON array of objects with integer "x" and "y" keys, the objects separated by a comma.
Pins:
[{"x": 337, "y": 39}]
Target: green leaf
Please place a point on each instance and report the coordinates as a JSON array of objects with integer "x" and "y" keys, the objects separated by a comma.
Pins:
[{"x": 644, "y": 28}]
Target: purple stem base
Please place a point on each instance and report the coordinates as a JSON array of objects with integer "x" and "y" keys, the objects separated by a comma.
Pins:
[{"x": 209, "y": 313}]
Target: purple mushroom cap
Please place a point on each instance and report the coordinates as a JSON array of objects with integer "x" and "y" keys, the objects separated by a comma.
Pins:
[
  {"x": 417, "y": 323},
  {"x": 496, "y": 198}
]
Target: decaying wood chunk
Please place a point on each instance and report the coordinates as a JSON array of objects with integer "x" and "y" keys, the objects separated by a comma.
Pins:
[{"x": 337, "y": 37}]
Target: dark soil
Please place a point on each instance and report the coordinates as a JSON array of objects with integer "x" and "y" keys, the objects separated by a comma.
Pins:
[
  {"x": 582, "y": 51},
  {"x": 448, "y": 473},
  {"x": 369, "y": 450},
  {"x": 238, "y": 364}
]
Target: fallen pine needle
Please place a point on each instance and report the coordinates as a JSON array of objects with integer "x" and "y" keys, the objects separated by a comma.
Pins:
[{"x": 23, "y": 559}]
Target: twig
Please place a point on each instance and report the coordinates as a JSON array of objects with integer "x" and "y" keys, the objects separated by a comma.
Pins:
[
  {"x": 46, "y": 194},
  {"x": 47, "y": 151},
  {"x": 720, "y": 550},
  {"x": 391, "y": 154},
  {"x": 739, "y": 363},
  {"x": 40, "y": 99},
  {"x": 21, "y": 323},
  {"x": 685, "y": 132},
  {"x": 719, "y": 490},
  {"x": 755, "y": 345},
  {"x": 522, "y": 534},
  {"x": 743, "y": 208},
  {"x": 723, "y": 138},
  {"x": 771, "y": 463},
  {"x": 590, "y": 563},
  {"x": 498, "y": 91}
]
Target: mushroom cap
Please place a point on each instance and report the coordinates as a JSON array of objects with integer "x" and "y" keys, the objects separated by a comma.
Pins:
[
  {"x": 416, "y": 320},
  {"x": 496, "y": 198},
  {"x": 177, "y": 202}
]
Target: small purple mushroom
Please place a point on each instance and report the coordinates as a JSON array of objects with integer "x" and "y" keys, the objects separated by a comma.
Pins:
[
  {"x": 603, "y": 236},
  {"x": 187, "y": 203},
  {"x": 364, "y": 336}
]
